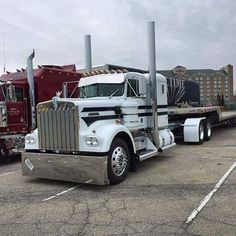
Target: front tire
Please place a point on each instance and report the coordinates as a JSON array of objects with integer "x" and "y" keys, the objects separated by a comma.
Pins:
[{"x": 118, "y": 161}]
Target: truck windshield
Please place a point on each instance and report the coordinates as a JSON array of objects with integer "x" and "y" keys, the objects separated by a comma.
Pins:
[{"x": 101, "y": 90}]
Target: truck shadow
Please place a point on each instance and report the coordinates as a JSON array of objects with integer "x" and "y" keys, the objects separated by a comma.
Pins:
[{"x": 9, "y": 160}]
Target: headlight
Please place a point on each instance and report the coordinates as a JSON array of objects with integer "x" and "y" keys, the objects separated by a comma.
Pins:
[
  {"x": 30, "y": 139},
  {"x": 91, "y": 141}
]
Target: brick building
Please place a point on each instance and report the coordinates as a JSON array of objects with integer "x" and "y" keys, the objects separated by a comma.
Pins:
[{"x": 213, "y": 84}]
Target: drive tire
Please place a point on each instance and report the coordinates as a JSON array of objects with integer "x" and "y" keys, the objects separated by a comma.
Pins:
[
  {"x": 118, "y": 161},
  {"x": 207, "y": 130},
  {"x": 201, "y": 132}
]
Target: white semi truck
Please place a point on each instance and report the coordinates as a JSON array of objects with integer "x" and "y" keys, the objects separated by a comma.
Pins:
[
  {"x": 98, "y": 137},
  {"x": 118, "y": 120}
]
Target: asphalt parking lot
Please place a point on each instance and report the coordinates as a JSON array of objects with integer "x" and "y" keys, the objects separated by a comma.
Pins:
[{"x": 155, "y": 200}]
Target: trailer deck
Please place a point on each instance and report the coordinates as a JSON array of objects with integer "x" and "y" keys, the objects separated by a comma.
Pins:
[
  {"x": 226, "y": 115},
  {"x": 223, "y": 115},
  {"x": 193, "y": 110}
]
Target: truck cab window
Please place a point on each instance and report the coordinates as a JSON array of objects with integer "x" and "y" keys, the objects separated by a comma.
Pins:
[
  {"x": 19, "y": 94},
  {"x": 102, "y": 90},
  {"x": 133, "y": 88}
]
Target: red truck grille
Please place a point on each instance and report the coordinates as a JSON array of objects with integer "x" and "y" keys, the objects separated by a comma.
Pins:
[{"x": 58, "y": 128}]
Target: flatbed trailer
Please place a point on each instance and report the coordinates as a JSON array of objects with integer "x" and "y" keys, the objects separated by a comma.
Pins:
[
  {"x": 214, "y": 113},
  {"x": 211, "y": 116}
]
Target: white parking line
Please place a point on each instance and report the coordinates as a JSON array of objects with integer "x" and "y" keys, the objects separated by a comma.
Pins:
[
  {"x": 209, "y": 196},
  {"x": 9, "y": 173},
  {"x": 65, "y": 191}
]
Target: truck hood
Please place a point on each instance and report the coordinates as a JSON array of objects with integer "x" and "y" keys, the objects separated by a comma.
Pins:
[{"x": 93, "y": 103}]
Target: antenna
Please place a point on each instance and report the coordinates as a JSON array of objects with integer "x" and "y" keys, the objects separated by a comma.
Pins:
[{"x": 4, "y": 52}]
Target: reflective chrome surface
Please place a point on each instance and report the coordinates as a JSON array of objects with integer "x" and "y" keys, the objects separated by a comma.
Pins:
[
  {"x": 75, "y": 168},
  {"x": 58, "y": 126},
  {"x": 119, "y": 161}
]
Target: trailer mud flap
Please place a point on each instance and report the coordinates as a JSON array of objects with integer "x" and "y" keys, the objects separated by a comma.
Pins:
[{"x": 75, "y": 168}]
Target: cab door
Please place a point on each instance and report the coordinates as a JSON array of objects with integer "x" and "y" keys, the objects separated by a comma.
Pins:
[
  {"x": 17, "y": 111},
  {"x": 134, "y": 109}
]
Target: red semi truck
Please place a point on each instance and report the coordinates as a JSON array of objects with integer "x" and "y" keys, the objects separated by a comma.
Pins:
[{"x": 18, "y": 96}]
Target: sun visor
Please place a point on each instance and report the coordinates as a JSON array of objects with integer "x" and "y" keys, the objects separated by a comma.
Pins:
[{"x": 102, "y": 79}]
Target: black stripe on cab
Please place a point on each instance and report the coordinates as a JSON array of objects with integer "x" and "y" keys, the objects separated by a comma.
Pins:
[
  {"x": 144, "y": 107},
  {"x": 145, "y": 114},
  {"x": 162, "y": 113},
  {"x": 161, "y": 106},
  {"x": 90, "y": 120},
  {"x": 91, "y": 109}
]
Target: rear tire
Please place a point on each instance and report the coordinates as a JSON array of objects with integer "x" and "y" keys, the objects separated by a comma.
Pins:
[
  {"x": 207, "y": 130},
  {"x": 201, "y": 132},
  {"x": 118, "y": 161}
]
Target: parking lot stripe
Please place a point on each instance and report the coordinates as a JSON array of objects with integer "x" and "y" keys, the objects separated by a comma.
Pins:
[
  {"x": 65, "y": 191},
  {"x": 209, "y": 196},
  {"x": 9, "y": 173}
]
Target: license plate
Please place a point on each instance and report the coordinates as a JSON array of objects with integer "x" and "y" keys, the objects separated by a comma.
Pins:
[{"x": 29, "y": 164}]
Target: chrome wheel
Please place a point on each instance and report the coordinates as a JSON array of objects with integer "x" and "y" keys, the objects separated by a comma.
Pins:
[{"x": 119, "y": 161}]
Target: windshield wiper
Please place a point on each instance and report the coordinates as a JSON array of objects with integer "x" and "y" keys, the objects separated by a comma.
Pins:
[{"x": 114, "y": 93}]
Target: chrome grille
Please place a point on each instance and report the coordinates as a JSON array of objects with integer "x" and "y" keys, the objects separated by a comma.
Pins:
[{"x": 58, "y": 128}]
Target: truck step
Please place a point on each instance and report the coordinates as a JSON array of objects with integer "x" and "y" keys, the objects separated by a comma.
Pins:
[{"x": 143, "y": 155}]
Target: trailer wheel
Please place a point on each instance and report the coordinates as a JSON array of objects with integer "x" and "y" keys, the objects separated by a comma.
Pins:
[
  {"x": 118, "y": 161},
  {"x": 207, "y": 130},
  {"x": 201, "y": 132}
]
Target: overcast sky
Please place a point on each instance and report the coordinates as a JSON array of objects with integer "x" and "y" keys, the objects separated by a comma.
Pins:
[{"x": 192, "y": 33}]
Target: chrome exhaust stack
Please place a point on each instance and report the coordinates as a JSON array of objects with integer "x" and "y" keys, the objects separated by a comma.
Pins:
[
  {"x": 30, "y": 77},
  {"x": 88, "y": 53},
  {"x": 152, "y": 76}
]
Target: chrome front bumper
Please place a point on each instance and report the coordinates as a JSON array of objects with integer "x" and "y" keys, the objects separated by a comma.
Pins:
[{"x": 75, "y": 168}]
